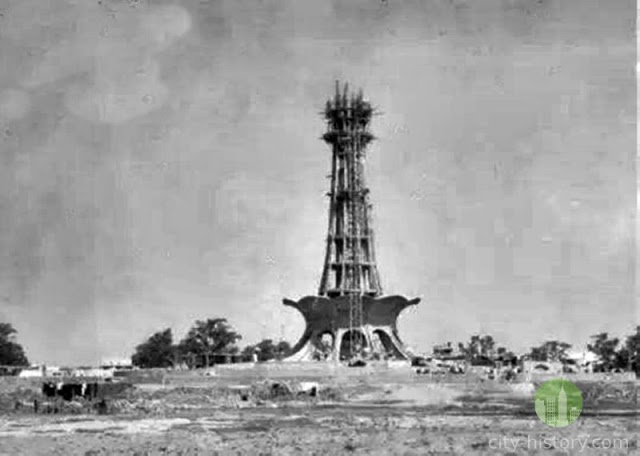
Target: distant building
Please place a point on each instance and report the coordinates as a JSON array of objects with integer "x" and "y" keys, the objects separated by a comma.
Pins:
[
  {"x": 31, "y": 371},
  {"x": 446, "y": 351},
  {"x": 542, "y": 367},
  {"x": 582, "y": 360},
  {"x": 123, "y": 363},
  {"x": 41, "y": 371},
  {"x": 93, "y": 372}
]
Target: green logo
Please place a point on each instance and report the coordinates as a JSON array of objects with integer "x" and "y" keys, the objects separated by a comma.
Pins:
[{"x": 558, "y": 402}]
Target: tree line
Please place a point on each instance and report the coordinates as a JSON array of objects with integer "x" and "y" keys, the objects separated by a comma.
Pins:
[
  {"x": 204, "y": 344},
  {"x": 611, "y": 353},
  {"x": 209, "y": 340}
]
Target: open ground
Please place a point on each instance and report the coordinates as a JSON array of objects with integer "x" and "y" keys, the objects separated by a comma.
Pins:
[{"x": 315, "y": 409}]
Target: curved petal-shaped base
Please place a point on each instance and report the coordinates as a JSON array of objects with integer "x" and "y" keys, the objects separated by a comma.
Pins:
[{"x": 327, "y": 334}]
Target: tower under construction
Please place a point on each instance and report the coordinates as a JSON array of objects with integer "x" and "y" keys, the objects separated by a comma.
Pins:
[{"x": 349, "y": 319}]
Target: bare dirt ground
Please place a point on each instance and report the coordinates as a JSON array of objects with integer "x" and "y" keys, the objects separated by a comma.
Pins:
[{"x": 354, "y": 411}]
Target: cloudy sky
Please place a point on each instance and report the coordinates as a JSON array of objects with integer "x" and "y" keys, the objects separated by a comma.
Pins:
[{"x": 160, "y": 162}]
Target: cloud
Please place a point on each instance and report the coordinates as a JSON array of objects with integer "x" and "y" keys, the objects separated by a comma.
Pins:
[
  {"x": 243, "y": 198},
  {"x": 119, "y": 98},
  {"x": 108, "y": 52},
  {"x": 14, "y": 104},
  {"x": 164, "y": 24},
  {"x": 583, "y": 221}
]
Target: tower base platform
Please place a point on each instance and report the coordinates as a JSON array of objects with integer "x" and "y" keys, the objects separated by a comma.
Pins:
[{"x": 327, "y": 336}]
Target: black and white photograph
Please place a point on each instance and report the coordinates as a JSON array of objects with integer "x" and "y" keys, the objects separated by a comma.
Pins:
[{"x": 319, "y": 227}]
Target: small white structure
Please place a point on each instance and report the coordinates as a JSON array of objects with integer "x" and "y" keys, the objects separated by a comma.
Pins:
[
  {"x": 54, "y": 371},
  {"x": 32, "y": 372},
  {"x": 40, "y": 370},
  {"x": 117, "y": 363},
  {"x": 583, "y": 360},
  {"x": 93, "y": 372}
]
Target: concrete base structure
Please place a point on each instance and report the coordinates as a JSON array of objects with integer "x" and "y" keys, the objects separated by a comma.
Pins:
[{"x": 327, "y": 336}]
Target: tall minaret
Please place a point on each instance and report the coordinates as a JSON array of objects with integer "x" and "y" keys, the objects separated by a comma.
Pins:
[
  {"x": 349, "y": 320},
  {"x": 350, "y": 264}
]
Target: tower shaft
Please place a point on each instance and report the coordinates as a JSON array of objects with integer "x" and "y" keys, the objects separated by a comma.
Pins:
[{"x": 350, "y": 266}]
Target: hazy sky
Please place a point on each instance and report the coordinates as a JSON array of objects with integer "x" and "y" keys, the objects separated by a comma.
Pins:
[{"x": 160, "y": 163}]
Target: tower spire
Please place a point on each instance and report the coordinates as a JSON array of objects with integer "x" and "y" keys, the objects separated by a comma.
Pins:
[{"x": 350, "y": 265}]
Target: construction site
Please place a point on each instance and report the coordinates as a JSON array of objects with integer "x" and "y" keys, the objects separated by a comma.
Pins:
[{"x": 349, "y": 385}]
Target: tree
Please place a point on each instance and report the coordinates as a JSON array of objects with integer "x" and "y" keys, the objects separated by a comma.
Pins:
[
  {"x": 213, "y": 336},
  {"x": 247, "y": 353},
  {"x": 283, "y": 349},
  {"x": 551, "y": 350},
  {"x": 631, "y": 350},
  {"x": 157, "y": 351},
  {"x": 478, "y": 348},
  {"x": 267, "y": 350},
  {"x": 11, "y": 352},
  {"x": 606, "y": 350},
  {"x": 505, "y": 355}
]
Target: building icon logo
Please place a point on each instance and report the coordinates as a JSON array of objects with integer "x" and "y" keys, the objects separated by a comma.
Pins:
[{"x": 558, "y": 402}]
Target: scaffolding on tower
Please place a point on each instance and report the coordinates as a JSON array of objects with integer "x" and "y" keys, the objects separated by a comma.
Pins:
[
  {"x": 349, "y": 259},
  {"x": 349, "y": 307}
]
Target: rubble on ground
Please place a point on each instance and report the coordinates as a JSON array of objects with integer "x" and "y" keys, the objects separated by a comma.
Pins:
[{"x": 132, "y": 400}]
